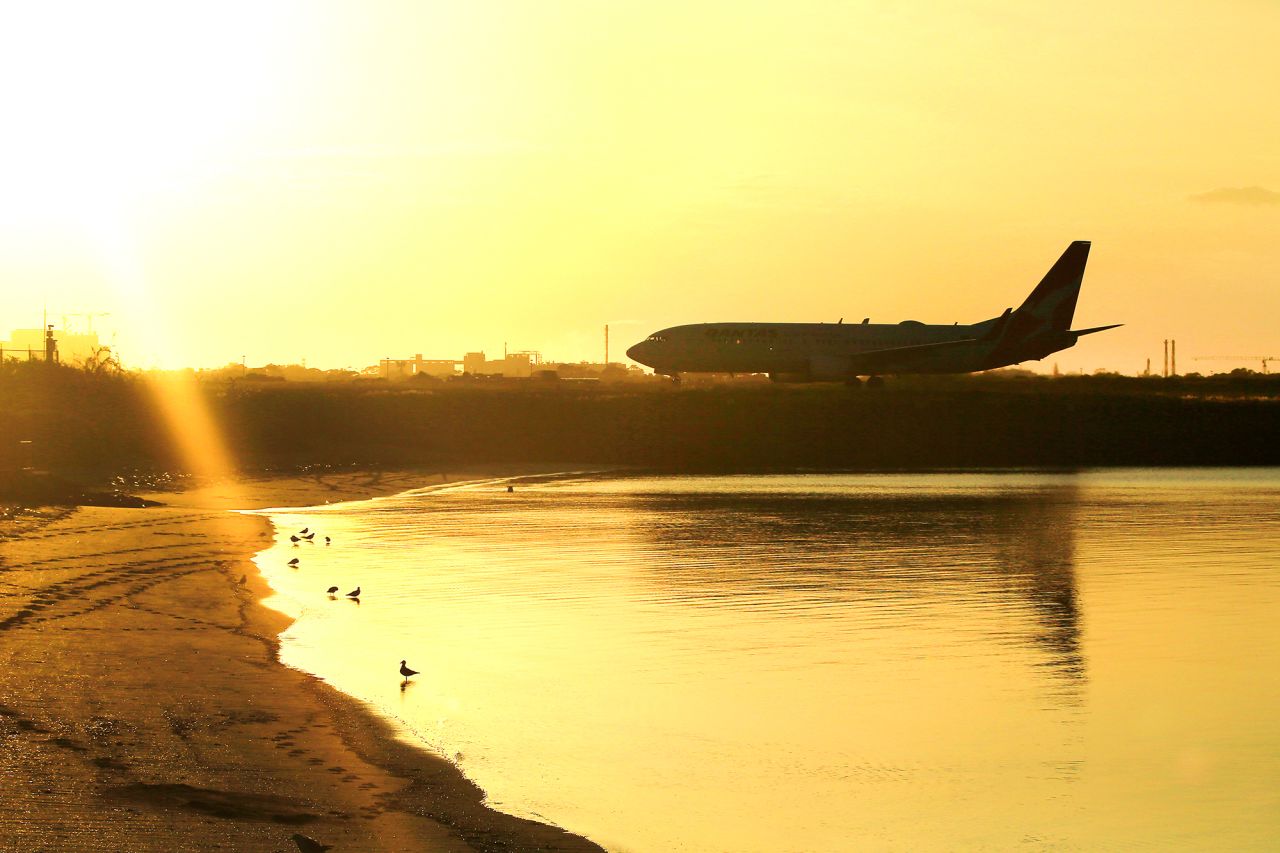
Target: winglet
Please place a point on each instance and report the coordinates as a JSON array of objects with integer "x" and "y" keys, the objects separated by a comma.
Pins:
[{"x": 997, "y": 328}]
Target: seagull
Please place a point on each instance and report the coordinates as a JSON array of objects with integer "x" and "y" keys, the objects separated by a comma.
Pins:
[
  {"x": 243, "y": 579},
  {"x": 303, "y": 531},
  {"x": 294, "y": 539},
  {"x": 333, "y": 590},
  {"x": 294, "y": 562},
  {"x": 406, "y": 672},
  {"x": 308, "y": 536},
  {"x": 326, "y": 540},
  {"x": 307, "y": 844},
  {"x": 355, "y": 593}
]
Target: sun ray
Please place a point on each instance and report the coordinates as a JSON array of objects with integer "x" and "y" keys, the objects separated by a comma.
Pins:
[{"x": 176, "y": 394}]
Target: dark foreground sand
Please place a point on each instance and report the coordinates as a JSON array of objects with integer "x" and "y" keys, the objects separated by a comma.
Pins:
[{"x": 142, "y": 707}]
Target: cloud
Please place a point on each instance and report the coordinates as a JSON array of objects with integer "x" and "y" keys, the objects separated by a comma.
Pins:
[{"x": 1238, "y": 195}]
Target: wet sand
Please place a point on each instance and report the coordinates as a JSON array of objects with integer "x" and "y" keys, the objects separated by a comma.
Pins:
[{"x": 142, "y": 706}]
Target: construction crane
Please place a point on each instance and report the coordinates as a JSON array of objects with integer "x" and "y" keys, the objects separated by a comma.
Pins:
[
  {"x": 89, "y": 315},
  {"x": 1262, "y": 358}
]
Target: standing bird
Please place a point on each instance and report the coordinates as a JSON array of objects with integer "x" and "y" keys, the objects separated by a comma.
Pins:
[
  {"x": 308, "y": 536},
  {"x": 326, "y": 540},
  {"x": 303, "y": 531},
  {"x": 355, "y": 593},
  {"x": 406, "y": 672},
  {"x": 294, "y": 562},
  {"x": 333, "y": 590},
  {"x": 294, "y": 539},
  {"x": 243, "y": 580},
  {"x": 306, "y": 844}
]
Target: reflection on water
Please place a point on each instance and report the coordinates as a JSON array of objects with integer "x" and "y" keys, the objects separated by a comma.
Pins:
[
  {"x": 825, "y": 661},
  {"x": 849, "y": 549}
]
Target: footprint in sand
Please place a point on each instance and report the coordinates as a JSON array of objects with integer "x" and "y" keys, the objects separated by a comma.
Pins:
[{"x": 68, "y": 743}]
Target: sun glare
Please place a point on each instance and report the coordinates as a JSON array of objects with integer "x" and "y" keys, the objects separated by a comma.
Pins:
[
  {"x": 106, "y": 103},
  {"x": 188, "y": 420}
]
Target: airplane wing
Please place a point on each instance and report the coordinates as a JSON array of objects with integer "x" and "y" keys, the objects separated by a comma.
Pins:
[{"x": 902, "y": 359}]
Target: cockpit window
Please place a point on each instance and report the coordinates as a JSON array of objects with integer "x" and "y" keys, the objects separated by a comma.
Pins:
[{"x": 657, "y": 338}]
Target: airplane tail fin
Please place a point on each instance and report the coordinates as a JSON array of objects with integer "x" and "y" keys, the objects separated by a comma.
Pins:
[
  {"x": 1042, "y": 324},
  {"x": 1053, "y": 302}
]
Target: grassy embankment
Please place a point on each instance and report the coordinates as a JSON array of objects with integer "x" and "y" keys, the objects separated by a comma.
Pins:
[{"x": 95, "y": 427}]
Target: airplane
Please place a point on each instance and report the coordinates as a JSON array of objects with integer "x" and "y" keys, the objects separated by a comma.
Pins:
[{"x": 845, "y": 352}]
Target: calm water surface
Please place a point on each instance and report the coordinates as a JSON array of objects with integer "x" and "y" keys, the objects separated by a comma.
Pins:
[{"x": 825, "y": 662}]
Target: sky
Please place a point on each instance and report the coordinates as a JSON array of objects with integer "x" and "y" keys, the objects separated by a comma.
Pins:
[{"x": 341, "y": 182}]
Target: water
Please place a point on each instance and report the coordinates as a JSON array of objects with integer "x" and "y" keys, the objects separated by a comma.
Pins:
[{"x": 825, "y": 662}]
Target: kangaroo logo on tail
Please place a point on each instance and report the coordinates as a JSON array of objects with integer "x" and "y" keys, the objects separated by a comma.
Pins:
[
  {"x": 1053, "y": 303},
  {"x": 1042, "y": 323}
]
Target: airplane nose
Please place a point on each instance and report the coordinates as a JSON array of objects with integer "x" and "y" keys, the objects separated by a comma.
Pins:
[{"x": 636, "y": 352}]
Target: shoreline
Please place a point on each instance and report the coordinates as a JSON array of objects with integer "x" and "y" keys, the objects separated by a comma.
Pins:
[{"x": 143, "y": 705}]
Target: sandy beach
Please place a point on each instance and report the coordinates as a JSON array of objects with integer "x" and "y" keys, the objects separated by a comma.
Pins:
[{"x": 142, "y": 706}]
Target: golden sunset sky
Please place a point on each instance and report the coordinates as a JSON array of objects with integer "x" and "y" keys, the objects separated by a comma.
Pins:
[{"x": 343, "y": 181}]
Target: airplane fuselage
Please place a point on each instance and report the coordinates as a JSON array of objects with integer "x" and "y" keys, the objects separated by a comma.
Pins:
[
  {"x": 802, "y": 350},
  {"x": 843, "y": 351}
]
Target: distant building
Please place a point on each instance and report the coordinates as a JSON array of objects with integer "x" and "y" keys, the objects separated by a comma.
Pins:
[
  {"x": 407, "y": 368},
  {"x": 73, "y": 349},
  {"x": 515, "y": 365},
  {"x": 523, "y": 364}
]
